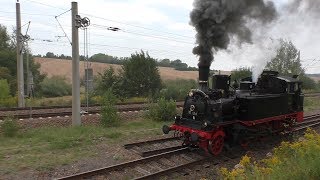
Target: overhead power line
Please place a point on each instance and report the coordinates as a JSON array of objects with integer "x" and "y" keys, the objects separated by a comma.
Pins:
[
  {"x": 31, "y": 14},
  {"x": 139, "y": 34},
  {"x": 44, "y": 4},
  {"x": 56, "y": 17},
  {"x": 113, "y": 46},
  {"x": 111, "y": 20},
  {"x": 137, "y": 26}
]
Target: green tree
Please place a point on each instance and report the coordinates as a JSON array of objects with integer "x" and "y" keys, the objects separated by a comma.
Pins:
[
  {"x": 287, "y": 62},
  {"x": 141, "y": 75},
  {"x": 4, "y": 38},
  {"x": 8, "y": 62},
  {"x": 165, "y": 63},
  {"x": 50, "y": 55},
  {"x": 104, "y": 58},
  {"x": 109, "y": 80},
  {"x": 241, "y": 73}
]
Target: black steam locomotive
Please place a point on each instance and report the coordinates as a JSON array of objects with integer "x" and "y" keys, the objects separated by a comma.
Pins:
[{"x": 223, "y": 115}]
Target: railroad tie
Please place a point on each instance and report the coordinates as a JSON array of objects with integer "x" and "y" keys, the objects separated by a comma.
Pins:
[{"x": 141, "y": 170}]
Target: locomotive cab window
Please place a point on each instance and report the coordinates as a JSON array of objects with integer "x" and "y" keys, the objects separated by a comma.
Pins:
[{"x": 293, "y": 87}]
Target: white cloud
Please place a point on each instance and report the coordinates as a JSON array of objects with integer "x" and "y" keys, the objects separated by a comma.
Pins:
[{"x": 156, "y": 19}]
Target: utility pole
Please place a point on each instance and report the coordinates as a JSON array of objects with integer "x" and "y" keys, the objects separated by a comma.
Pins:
[
  {"x": 28, "y": 74},
  {"x": 75, "y": 66},
  {"x": 20, "y": 80}
]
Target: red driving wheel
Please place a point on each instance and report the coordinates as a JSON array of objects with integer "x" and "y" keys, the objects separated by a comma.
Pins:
[{"x": 215, "y": 145}]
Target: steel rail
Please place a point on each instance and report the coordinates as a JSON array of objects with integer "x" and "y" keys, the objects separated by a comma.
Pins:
[
  {"x": 159, "y": 151},
  {"x": 128, "y": 146},
  {"x": 121, "y": 166},
  {"x": 69, "y": 113},
  {"x": 171, "y": 169},
  {"x": 62, "y": 107}
]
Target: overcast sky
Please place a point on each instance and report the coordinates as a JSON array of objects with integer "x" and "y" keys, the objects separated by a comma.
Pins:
[{"x": 160, "y": 27}]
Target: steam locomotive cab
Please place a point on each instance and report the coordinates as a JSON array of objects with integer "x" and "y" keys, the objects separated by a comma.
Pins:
[{"x": 214, "y": 114}]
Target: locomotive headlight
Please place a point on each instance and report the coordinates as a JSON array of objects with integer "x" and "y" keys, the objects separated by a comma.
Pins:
[
  {"x": 205, "y": 124},
  {"x": 190, "y": 94}
]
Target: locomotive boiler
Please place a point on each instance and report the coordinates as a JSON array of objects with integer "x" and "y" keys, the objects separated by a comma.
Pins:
[{"x": 221, "y": 115}]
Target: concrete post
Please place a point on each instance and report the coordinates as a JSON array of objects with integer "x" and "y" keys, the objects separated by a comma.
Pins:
[{"x": 76, "y": 118}]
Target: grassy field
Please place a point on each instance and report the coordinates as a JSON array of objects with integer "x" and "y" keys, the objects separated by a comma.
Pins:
[
  {"x": 62, "y": 67},
  {"x": 35, "y": 148}
]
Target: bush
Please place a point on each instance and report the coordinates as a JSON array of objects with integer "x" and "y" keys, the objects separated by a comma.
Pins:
[
  {"x": 56, "y": 86},
  {"x": 109, "y": 116},
  {"x": 5, "y": 98},
  {"x": 177, "y": 89},
  {"x": 4, "y": 89},
  {"x": 9, "y": 127},
  {"x": 9, "y": 102},
  {"x": 163, "y": 110}
]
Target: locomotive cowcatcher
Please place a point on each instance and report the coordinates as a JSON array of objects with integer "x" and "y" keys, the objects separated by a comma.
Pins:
[{"x": 219, "y": 115}]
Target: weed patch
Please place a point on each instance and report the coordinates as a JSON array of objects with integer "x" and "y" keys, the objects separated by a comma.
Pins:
[
  {"x": 297, "y": 160},
  {"x": 9, "y": 127}
]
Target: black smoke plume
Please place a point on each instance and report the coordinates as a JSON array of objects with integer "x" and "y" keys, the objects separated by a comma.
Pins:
[{"x": 217, "y": 21}]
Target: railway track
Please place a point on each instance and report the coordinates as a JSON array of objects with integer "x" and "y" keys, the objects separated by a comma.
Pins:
[
  {"x": 156, "y": 146},
  {"x": 309, "y": 121},
  {"x": 164, "y": 157},
  {"x": 62, "y": 107},
  {"x": 42, "y": 112},
  {"x": 96, "y": 105},
  {"x": 146, "y": 167},
  {"x": 312, "y": 94},
  {"x": 67, "y": 112}
]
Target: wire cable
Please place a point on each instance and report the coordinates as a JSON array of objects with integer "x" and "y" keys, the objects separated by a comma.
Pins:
[
  {"x": 56, "y": 17},
  {"x": 111, "y": 20},
  {"x": 131, "y": 32}
]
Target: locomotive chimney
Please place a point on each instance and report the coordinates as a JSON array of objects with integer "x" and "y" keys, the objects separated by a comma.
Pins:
[{"x": 203, "y": 77}]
